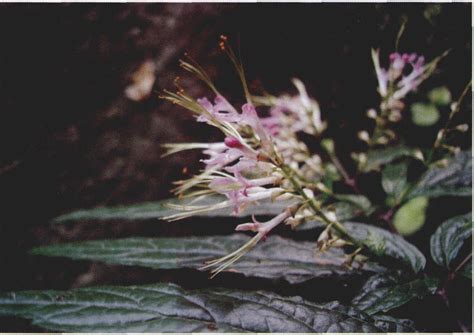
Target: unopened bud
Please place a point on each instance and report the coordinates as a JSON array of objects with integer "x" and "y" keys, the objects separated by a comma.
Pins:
[
  {"x": 331, "y": 216},
  {"x": 382, "y": 140},
  {"x": 371, "y": 114},
  {"x": 440, "y": 135},
  {"x": 328, "y": 144},
  {"x": 363, "y": 135},
  {"x": 454, "y": 106},
  {"x": 462, "y": 127},
  {"x": 232, "y": 142},
  {"x": 418, "y": 154},
  {"x": 308, "y": 193},
  {"x": 323, "y": 188},
  {"x": 395, "y": 115}
]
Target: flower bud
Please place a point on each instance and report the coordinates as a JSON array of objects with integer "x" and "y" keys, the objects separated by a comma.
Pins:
[
  {"x": 328, "y": 144},
  {"x": 232, "y": 142},
  {"x": 363, "y": 135},
  {"x": 371, "y": 114},
  {"x": 463, "y": 127}
]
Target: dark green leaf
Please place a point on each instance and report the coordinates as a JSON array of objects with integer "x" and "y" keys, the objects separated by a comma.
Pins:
[
  {"x": 169, "y": 308},
  {"x": 295, "y": 261},
  {"x": 467, "y": 270},
  {"x": 356, "y": 200},
  {"x": 411, "y": 216},
  {"x": 398, "y": 325},
  {"x": 394, "y": 179},
  {"x": 159, "y": 209},
  {"x": 383, "y": 242},
  {"x": 449, "y": 238},
  {"x": 379, "y": 157},
  {"x": 382, "y": 292},
  {"x": 454, "y": 179},
  {"x": 424, "y": 115}
]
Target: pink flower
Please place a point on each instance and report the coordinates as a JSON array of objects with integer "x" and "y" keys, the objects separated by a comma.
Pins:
[
  {"x": 394, "y": 74},
  {"x": 263, "y": 228},
  {"x": 222, "y": 110}
]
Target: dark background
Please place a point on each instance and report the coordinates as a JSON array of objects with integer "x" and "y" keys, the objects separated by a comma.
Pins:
[{"x": 69, "y": 138}]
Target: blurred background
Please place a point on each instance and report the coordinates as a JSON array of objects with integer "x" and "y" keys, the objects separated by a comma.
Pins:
[{"x": 81, "y": 123}]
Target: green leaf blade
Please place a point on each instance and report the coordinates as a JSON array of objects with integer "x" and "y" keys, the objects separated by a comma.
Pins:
[
  {"x": 440, "y": 96},
  {"x": 424, "y": 115},
  {"x": 383, "y": 292},
  {"x": 411, "y": 216},
  {"x": 168, "y": 307},
  {"x": 448, "y": 239},
  {"x": 380, "y": 157},
  {"x": 454, "y": 179},
  {"x": 394, "y": 179},
  {"x": 383, "y": 242},
  {"x": 160, "y": 209},
  {"x": 293, "y": 261}
]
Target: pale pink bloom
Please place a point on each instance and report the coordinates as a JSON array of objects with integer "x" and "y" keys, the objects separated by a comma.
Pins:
[
  {"x": 263, "y": 228},
  {"x": 223, "y": 158},
  {"x": 222, "y": 111}
]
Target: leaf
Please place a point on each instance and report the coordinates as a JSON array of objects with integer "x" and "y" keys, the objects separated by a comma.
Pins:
[
  {"x": 394, "y": 179},
  {"x": 383, "y": 242},
  {"x": 382, "y": 292},
  {"x": 169, "y": 308},
  {"x": 454, "y": 179},
  {"x": 411, "y": 216},
  {"x": 294, "y": 261},
  {"x": 448, "y": 239},
  {"x": 379, "y": 157},
  {"x": 467, "y": 270},
  {"x": 424, "y": 115},
  {"x": 159, "y": 209},
  {"x": 398, "y": 325},
  {"x": 356, "y": 200},
  {"x": 440, "y": 96}
]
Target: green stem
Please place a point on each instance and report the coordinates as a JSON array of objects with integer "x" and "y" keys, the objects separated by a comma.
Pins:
[
  {"x": 440, "y": 139},
  {"x": 289, "y": 173}
]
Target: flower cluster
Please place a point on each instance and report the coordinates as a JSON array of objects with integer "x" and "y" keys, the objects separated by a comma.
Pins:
[
  {"x": 404, "y": 74},
  {"x": 262, "y": 159},
  {"x": 259, "y": 159},
  {"x": 393, "y": 82}
]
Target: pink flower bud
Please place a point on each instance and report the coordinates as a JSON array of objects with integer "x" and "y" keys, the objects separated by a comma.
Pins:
[{"x": 232, "y": 142}]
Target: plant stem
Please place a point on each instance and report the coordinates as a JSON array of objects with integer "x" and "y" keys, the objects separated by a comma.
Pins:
[
  {"x": 442, "y": 292},
  {"x": 387, "y": 217},
  {"x": 439, "y": 139},
  {"x": 351, "y": 182},
  {"x": 289, "y": 173},
  {"x": 464, "y": 261}
]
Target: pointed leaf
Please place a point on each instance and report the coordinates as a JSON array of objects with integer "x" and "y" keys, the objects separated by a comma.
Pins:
[
  {"x": 169, "y": 308},
  {"x": 382, "y": 292},
  {"x": 159, "y": 209},
  {"x": 454, "y": 179},
  {"x": 448, "y": 239},
  {"x": 467, "y": 270},
  {"x": 356, "y": 200},
  {"x": 379, "y": 157},
  {"x": 294, "y": 261},
  {"x": 394, "y": 179},
  {"x": 383, "y": 242}
]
